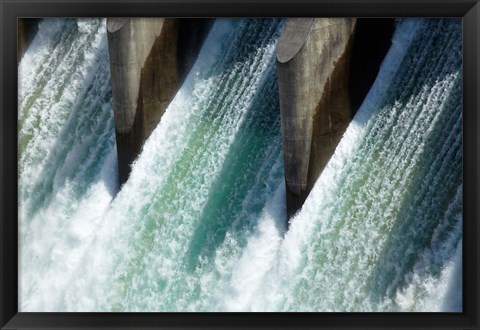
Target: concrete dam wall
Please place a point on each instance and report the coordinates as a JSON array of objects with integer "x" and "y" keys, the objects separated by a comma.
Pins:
[
  {"x": 313, "y": 57},
  {"x": 149, "y": 58},
  {"x": 326, "y": 67}
]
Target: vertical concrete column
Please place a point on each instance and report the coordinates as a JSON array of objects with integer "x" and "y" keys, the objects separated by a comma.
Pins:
[
  {"x": 149, "y": 58},
  {"x": 313, "y": 57},
  {"x": 144, "y": 71}
]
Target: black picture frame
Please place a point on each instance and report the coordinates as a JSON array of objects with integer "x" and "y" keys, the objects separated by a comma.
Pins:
[{"x": 10, "y": 318}]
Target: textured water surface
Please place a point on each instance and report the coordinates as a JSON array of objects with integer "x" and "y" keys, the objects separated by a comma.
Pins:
[{"x": 200, "y": 224}]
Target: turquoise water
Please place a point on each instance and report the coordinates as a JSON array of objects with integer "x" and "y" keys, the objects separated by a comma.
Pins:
[{"x": 200, "y": 224}]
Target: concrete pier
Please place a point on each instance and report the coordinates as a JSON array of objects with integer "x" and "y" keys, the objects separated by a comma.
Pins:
[
  {"x": 149, "y": 58},
  {"x": 313, "y": 57}
]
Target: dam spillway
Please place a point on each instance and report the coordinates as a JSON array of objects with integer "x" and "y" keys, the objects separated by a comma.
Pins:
[
  {"x": 172, "y": 46},
  {"x": 199, "y": 225}
]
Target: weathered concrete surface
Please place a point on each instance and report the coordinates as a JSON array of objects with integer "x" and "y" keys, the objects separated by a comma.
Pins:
[
  {"x": 27, "y": 28},
  {"x": 149, "y": 58},
  {"x": 313, "y": 57}
]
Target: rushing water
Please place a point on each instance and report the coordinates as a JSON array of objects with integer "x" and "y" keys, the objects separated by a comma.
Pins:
[{"x": 200, "y": 224}]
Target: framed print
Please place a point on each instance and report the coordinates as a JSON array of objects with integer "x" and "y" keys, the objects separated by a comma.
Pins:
[{"x": 263, "y": 164}]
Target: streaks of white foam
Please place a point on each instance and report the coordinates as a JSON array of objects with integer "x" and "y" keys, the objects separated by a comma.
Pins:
[
  {"x": 428, "y": 293},
  {"x": 126, "y": 258},
  {"x": 323, "y": 265},
  {"x": 299, "y": 234},
  {"x": 126, "y": 249},
  {"x": 258, "y": 257},
  {"x": 65, "y": 110}
]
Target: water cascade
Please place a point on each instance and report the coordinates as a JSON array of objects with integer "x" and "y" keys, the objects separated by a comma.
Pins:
[{"x": 200, "y": 223}]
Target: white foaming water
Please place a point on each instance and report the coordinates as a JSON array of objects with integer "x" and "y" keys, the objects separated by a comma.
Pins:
[
  {"x": 178, "y": 170},
  {"x": 331, "y": 258},
  {"x": 67, "y": 154},
  {"x": 200, "y": 224}
]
